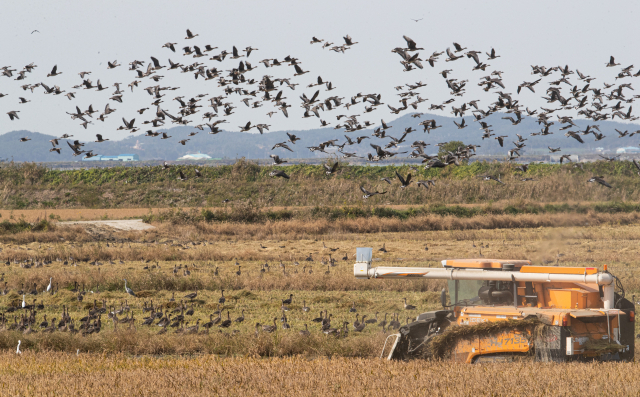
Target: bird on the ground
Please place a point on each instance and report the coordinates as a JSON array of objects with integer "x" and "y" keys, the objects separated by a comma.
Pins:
[{"x": 127, "y": 289}]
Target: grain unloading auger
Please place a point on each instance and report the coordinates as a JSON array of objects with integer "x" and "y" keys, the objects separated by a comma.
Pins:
[{"x": 498, "y": 310}]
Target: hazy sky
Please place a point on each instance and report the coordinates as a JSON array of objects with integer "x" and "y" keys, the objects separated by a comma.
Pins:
[{"x": 84, "y": 35}]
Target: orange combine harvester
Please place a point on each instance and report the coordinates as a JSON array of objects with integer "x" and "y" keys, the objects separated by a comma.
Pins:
[{"x": 501, "y": 310}]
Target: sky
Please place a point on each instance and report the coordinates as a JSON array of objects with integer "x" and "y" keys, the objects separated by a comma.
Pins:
[{"x": 83, "y": 36}]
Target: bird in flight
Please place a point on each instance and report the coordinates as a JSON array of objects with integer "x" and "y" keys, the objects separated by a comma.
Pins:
[{"x": 417, "y": 20}]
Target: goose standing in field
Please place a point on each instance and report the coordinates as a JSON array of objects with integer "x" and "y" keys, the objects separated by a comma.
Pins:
[
  {"x": 222, "y": 299},
  {"x": 361, "y": 325},
  {"x": 353, "y": 308},
  {"x": 192, "y": 295},
  {"x": 383, "y": 323},
  {"x": 318, "y": 319},
  {"x": 127, "y": 289},
  {"x": 305, "y": 331},
  {"x": 226, "y": 323},
  {"x": 270, "y": 328},
  {"x": 217, "y": 320},
  {"x": 304, "y": 306},
  {"x": 408, "y": 307},
  {"x": 241, "y": 318},
  {"x": 373, "y": 320}
]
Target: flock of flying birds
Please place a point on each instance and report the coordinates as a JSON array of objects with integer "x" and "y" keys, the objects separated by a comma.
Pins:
[{"x": 241, "y": 85}]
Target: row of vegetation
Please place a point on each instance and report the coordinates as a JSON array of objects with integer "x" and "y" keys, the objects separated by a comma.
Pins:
[
  {"x": 33, "y": 186},
  {"x": 253, "y": 214},
  {"x": 21, "y": 225},
  {"x": 248, "y": 171}
]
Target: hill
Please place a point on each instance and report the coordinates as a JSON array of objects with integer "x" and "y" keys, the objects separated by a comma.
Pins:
[{"x": 232, "y": 145}]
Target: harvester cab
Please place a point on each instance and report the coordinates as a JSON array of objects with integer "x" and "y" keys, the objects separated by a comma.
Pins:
[{"x": 499, "y": 310}]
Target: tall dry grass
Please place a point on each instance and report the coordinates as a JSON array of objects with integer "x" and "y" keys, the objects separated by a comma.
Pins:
[
  {"x": 204, "y": 375},
  {"x": 299, "y": 228},
  {"x": 33, "y": 187}
]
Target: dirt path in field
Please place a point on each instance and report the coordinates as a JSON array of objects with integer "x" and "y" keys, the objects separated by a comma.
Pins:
[
  {"x": 107, "y": 229},
  {"x": 128, "y": 224}
]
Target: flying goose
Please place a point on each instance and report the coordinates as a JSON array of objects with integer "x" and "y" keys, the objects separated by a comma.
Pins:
[
  {"x": 349, "y": 41},
  {"x": 279, "y": 173},
  {"x": 299, "y": 71},
  {"x": 292, "y": 138},
  {"x": 637, "y": 165},
  {"x": 54, "y": 71},
  {"x": 459, "y": 47},
  {"x": 190, "y": 35},
  {"x": 426, "y": 183},
  {"x": 612, "y": 62},
  {"x": 282, "y": 145},
  {"x": 100, "y": 138},
  {"x": 491, "y": 178},
  {"x": 332, "y": 169},
  {"x": 600, "y": 180},
  {"x": 411, "y": 44},
  {"x": 13, "y": 114},
  {"x": 277, "y": 160},
  {"x": 404, "y": 183},
  {"x": 368, "y": 194},
  {"x": 492, "y": 55}
]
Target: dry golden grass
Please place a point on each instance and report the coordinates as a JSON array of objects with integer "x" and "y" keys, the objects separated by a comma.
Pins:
[
  {"x": 260, "y": 295},
  {"x": 317, "y": 229},
  {"x": 206, "y": 375},
  {"x": 80, "y": 214}
]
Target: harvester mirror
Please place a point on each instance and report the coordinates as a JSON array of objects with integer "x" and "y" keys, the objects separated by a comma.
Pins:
[
  {"x": 364, "y": 254},
  {"x": 443, "y": 298}
]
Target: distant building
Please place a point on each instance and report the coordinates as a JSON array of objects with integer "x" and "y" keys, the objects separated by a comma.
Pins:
[
  {"x": 120, "y": 157},
  {"x": 196, "y": 156},
  {"x": 628, "y": 149}
]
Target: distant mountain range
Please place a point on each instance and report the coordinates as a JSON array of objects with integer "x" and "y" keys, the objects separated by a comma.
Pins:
[{"x": 229, "y": 145}]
